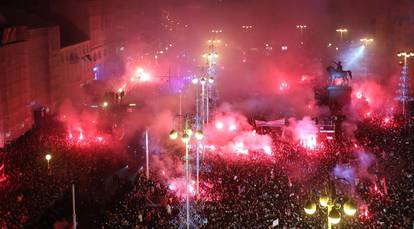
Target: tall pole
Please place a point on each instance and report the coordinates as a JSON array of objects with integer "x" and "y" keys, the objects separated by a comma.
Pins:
[
  {"x": 74, "y": 207},
  {"x": 198, "y": 168},
  {"x": 207, "y": 102},
  {"x": 146, "y": 153},
  {"x": 203, "y": 91},
  {"x": 187, "y": 183},
  {"x": 181, "y": 111}
]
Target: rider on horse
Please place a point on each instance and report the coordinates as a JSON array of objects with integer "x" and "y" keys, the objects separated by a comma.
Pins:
[
  {"x": 338, "y": 66},
  {"x": 338, "y": 72}
]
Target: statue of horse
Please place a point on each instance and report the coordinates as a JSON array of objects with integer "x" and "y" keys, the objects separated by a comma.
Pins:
[{"x": 334, "y": 74}]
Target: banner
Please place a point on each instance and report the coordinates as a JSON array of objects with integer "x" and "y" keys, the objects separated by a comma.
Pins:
[{"x": 273, "y": 123}]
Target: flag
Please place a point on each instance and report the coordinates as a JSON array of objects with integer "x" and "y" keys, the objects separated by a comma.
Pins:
[
  {"x": 2, "y": 176},
  {"x": 275, "y": 223}
]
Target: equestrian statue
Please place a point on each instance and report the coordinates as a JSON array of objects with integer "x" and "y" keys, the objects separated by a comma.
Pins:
[{"x": 338, "y": 73}]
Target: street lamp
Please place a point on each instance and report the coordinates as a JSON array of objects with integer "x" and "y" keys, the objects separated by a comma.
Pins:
[
  {"x": 366, "y": 41},
  {"x": 329, "y": 202},
  {"x": 186, "y": 138},
  {"x": 406, "y": 55},
  {"x": 342, "y": 31},
  {"x": 301, "y": 27},
  {"x": 48, "y": 157},
  {"x": 404, "y": 79}
]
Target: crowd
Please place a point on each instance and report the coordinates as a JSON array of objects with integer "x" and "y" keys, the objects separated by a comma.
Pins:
[
  {"x": 148, "y": 205},
  {"x": 246, "y": 191},
  {"x": 32, "y": 189}
]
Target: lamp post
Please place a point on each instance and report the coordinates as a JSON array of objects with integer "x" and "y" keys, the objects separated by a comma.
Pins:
[
  {"x": 205, "y": 86},
  {"x": 186, "y": 138},
  {"x": 366, "y": 42},
  {"x": 48, "y": 157},
  {"x": 342, "y": 31},
  {"x": 403, "y": 91},
  {"x": 329, "y": 202},
  {"x": 406, "y": 55},
  {"x": 301, "y": 28}
]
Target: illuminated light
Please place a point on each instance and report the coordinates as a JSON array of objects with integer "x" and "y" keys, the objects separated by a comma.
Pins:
[
  {"x": 185, "y": 138},
  {"x": 95, "y": 69},
  {"x": 309, "y": 141},
  {"x": 239, "y": 147},
  {"x": 304, "y": 78},
  {"x": 337, "y": 48},
  {"x": 350, "y": 208},
  {"x": 267, "y": 150},
  {"x": 145, "y": 77},
  {"x": 199, "y": 135},
  {"x": 359, "y": 95},
  {"x": 48, "y": 157},
  {"x": 132, "y": 104},
  {"x": 163, "y": 172},
  {"x": 324, "y": 200},
  {"x": 161, "y": 52},
  {"x": 386, "y": 120},
  {"x": 203, "y": 80},
  {"x": 232, "y": 127},
  {"x": 310, "y": 208},
  {"x": 355, "y": 145},
  {"x": 171, "y": 187},
  {"x": 99, "y": 138},
  {"x": 284, "y": 48},
  {"x": 105, "y": 104},
  {"x": 329, "y": 137},
  {"x": 81, "y": 136},
  {"x": 219, "y": 125},
  {"x": 156, "y": 57},
  {"x": 330, "y": 44},
  {"x": 171, "y": 45},
  {"x": 211, "y": 80},
  {"x": 283, "y": 86},
  {"x": 190, "y": 188},
  {"x": 70, "y": 136},
  {"x": 334, "y": 216},
  {"x": 194, "y": 81},
  {"x": 173, "y": 134},
  {"x": 188, "y": 131},
  {"x": 120, "y": 90},
  {"x": 368, "y": 114}
]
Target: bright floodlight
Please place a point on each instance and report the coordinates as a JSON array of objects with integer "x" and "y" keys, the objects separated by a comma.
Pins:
[
  {"x": 324, "y": 200},
  {"x": 48, "y": 157},
  {"x": 310, "y": 208},
  {"x": 334, "y": 216},
  {"x": 105, "y": 104},
  {"x": 199, "y": 135},
  {"x": 219, "y": 125},
  {"x": 145, "y": 77},
  {"x": 173, "y": 134},
  {"x": 350, "y": 208}
]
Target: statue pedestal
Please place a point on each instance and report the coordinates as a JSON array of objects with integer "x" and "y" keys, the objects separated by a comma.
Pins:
[{"x": 338, "y": 97}]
